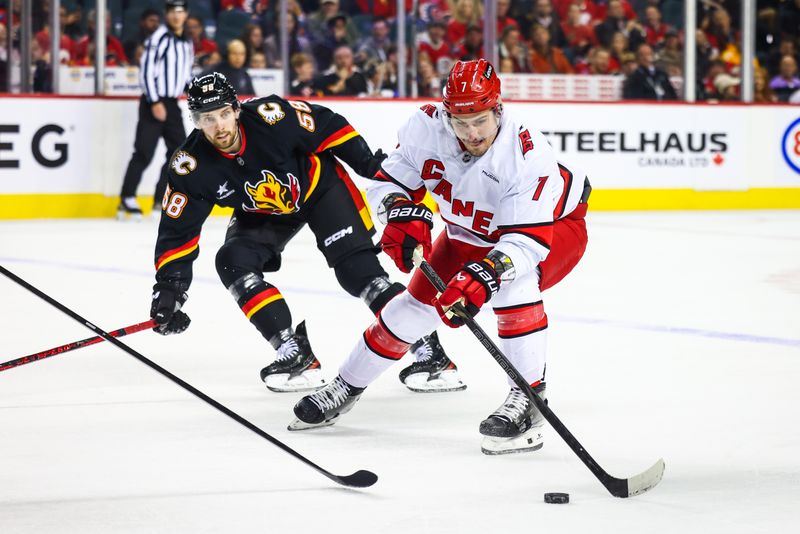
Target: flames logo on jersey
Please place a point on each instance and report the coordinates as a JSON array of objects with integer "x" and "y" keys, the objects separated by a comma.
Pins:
[
  {"x": 271, "y": 195},
  {"x": 183, "y": 163},
  {"x": 271, "y": 113}
]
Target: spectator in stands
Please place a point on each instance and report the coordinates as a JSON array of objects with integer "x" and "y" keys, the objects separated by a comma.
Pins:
[
  {"x": 253, "y": 39},
  {"x": 762, "y": 91},
  {"x": 786, "y": 82},
  {"x": 648, "y": 82},
  {"x": 655, "y": 29},
  {"x": 385, "y": 9},
  {"x": 303, "y": 76},
  {"x": 727, "y": 87},
  {"x": 790, "y": 17},
  {"x": 503, "y": 19},
  {"x": 464, "y": 13},
  {"x": 202, "y": 45},
  {"x": 254, "y": 8},
  {"x": 234, "y": 68},
  {"x": 629, "y": 64},
  {"x": 786, "y": 47},
  {"x": 85, "y": 47},
  {"x": 432, "y": 46},
  {"x": 43, "y": 36},
  {"x": 336, "y": 37},
  {"x": 376, "y": 46},
  {"x": 149, "y": 21},
  {"x": 257, "y": 61},
  {"x": 544, "y": 15},
  {"x": 298, "y": 43},
  {"x": 707, "y": 89},
  {"x": 616, "y": 21},
  {"x": 319, "y": 23},
  {"x": 598, "y": 63},
  {"x": 670, "y": 57},
  {"x": 619, "y": 46},
  {"x": 513, "y": 48},
  {"x": 429, "y": 82},
  {"x": 721, "y": 36},
  {"x": 42, "y": 71},
  {"x": 472, "y": 48},
  {"x": 377, "y": 83},
  {"x": 579, "y": 36},
  {"x": 343, "y": 78},
  {"x": 3, "y": 59},
  {"x": 544, "y": 57}
]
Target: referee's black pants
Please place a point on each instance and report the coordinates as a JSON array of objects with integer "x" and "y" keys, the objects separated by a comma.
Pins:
[{"x": 148, "y": 132}]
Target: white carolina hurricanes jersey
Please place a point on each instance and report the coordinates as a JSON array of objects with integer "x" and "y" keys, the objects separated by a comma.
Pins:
[{"x": 507, "y": 199}]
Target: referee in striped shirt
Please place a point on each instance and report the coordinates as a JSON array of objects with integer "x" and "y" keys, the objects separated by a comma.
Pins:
[{"x": 165, "y": 70}]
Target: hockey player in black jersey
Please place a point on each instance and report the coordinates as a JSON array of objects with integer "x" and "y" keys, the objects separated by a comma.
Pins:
[{"x": 274, "y": 162}]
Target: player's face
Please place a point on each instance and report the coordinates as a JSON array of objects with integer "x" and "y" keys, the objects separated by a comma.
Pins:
[
  {"x": 476, "y": 130},
  {"x": 220, "y": 127}
]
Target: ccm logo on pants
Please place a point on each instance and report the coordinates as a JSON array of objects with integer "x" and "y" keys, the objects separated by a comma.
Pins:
[{"x": 337, "y": 236}]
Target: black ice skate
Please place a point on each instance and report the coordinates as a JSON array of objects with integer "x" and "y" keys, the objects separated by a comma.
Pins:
[
  {"x": 129, "y": 210},
  {"x": 295, "y": 367},
  {"x": 324, "y": 407},
  {"x": 516, "y": 426},
  {"x": 433, "y": 371}
]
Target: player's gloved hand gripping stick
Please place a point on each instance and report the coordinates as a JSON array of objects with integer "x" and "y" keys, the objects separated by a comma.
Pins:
[{"x": 618, "y": 487}]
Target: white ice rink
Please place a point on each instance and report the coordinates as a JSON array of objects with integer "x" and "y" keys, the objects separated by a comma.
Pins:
[{"x": 678, "y": 336}]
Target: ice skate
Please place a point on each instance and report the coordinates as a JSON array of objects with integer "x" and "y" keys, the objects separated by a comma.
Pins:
[
  {"x": 516, "y": 426},
  {"x": 129, "y": 210},
  {"x": 295, "y": 367},
  {"x": 324, "y": 407},
  {"x": 433, "y": 371}
]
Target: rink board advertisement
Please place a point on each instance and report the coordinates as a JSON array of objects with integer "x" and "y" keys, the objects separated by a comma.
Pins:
[{"x": 63, "y": 157}]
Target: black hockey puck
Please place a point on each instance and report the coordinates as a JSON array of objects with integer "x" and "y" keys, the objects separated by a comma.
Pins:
[{"x": 556, "y": 498}]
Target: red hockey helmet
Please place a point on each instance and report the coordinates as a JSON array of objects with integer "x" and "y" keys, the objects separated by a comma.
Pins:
[{"x": 472, "y": 86}]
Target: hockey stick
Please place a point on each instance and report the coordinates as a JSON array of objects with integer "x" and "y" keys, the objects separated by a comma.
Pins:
[
  {"x": 124, "y": 331},
  {"x": 618, "y": 487},
  {"x": 359, "y": 479}
]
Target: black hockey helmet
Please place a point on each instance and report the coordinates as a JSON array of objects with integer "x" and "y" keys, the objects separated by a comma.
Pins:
[{"x": 210, "y": 92}]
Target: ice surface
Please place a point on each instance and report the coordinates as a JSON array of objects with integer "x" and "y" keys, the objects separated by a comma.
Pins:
[{"x": 678, "y": 336}]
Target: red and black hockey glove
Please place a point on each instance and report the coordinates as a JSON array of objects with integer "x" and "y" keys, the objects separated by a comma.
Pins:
[
  {"x": 473, "y": 286},
  {"x": 166, "y": 309},
  {"x": 407, "y": 226}
]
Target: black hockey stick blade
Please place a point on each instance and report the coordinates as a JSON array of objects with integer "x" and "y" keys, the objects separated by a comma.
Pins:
[
  {"x": 618, "y": 487},
  {"x": 359, "y": 479}
]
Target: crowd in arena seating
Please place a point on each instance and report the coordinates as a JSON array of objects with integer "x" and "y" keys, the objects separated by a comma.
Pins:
[{"x": 348, "y": 47}]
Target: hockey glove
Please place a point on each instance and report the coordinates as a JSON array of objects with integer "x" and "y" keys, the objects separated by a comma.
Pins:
[
  {"x": 166, "y": 309},
  {"x": 407, "y": 226},
  {"x": 473, "y": 286}
]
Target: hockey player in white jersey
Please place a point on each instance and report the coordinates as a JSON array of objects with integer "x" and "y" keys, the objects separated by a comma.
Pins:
[{"x": 514, "y": 221}]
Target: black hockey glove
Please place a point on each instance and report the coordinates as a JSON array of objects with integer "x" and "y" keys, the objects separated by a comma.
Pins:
[{"x": 166, "y": 309}]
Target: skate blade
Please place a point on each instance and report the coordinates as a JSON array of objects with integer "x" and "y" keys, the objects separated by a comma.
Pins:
[
  {"x": 530, "y": 441},
  {"x": 446, "y": 381},
  {"x": 297, "y": 424},
  {"x": 310, "y": 380}
]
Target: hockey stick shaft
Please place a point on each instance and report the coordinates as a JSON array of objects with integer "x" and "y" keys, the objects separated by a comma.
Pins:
[
  {"x": 616, "y": 486},
  {"x": 358, "y": 479},
  {"x": 124, "y": 331}
]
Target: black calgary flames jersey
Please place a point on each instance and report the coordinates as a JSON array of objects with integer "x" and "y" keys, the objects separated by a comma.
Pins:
[{"x": 285, "y": 147}]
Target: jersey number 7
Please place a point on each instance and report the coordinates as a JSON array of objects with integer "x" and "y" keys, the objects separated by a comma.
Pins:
[{"x": 538, "y": 192}]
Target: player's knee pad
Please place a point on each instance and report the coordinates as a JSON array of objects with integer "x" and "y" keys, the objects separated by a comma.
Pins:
[
  {"x": 357, "y": 270},
  {"x": 380, "y": 291},
  {"x": 237, "y": 257}
]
